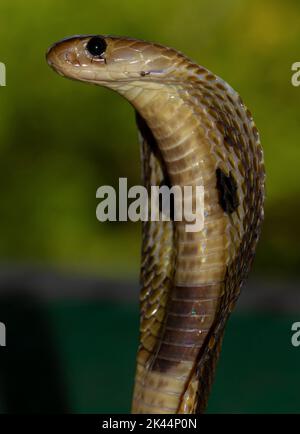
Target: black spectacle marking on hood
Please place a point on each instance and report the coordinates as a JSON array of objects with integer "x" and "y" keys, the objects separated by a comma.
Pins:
[{"x": 227, "y": 188}]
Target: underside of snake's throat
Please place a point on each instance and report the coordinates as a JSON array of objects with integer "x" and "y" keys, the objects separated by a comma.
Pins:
[
  {"x": 187, "y": 145},
  {"x": 183, "y": 320},
  {"x": 171, "y": 349}
]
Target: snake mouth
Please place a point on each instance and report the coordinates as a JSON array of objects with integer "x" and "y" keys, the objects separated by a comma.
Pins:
[
  {"x": 54, "y": 66},
  {"x": 53, "y": 60},
  {"x": 67, "y": 64}
]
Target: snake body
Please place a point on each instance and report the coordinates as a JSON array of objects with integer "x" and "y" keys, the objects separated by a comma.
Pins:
[{"x": 194, "y": 130}]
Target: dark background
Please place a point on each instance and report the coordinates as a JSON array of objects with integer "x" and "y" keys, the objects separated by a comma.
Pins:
[{"x": 69, "y": 284}]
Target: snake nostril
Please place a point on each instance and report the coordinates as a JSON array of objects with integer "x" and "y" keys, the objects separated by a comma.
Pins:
[{"x": 69, "y": 57}]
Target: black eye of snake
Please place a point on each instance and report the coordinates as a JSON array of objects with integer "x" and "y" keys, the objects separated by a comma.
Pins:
[{"x": 96, "y": 46}]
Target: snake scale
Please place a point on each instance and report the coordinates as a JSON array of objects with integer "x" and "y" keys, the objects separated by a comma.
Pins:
[{"x": 194, "y": 130}]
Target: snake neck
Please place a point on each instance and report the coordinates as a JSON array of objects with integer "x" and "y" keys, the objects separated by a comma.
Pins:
[
  {"x": 183, "y": 138},
  {"x": 187, "y": 139},
  {"x": 205, "y": 137}
]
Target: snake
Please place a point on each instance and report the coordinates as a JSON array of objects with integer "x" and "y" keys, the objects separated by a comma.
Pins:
[{"x": 194, "y": 130}]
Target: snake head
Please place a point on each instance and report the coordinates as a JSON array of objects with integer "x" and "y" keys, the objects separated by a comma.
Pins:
[{"x": 108, "y": 60}]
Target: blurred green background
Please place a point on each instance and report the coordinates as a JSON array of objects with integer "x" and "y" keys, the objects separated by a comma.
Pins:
[{"x": 60, "y": 140}]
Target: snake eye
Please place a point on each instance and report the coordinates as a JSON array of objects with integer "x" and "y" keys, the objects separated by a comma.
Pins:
[{"x": 96, "y": 46}]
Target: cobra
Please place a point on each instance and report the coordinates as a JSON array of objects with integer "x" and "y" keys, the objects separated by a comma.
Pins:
[{"x": 194, "y": 130}]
